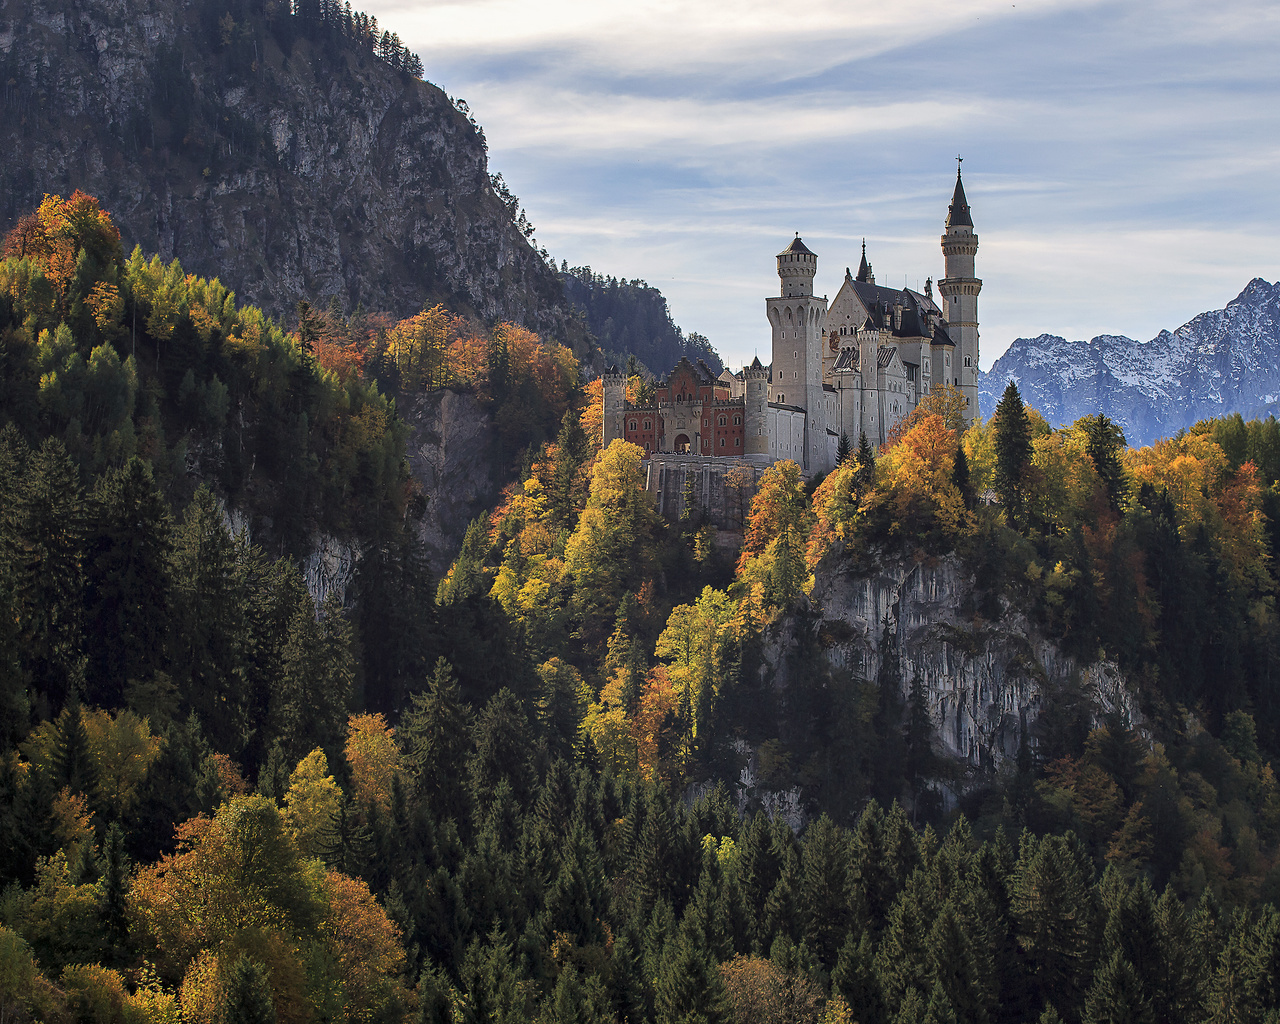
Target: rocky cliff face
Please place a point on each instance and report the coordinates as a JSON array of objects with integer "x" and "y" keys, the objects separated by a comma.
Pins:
[
  {"x": 268, "y": 150},
  {"x": 1226, "y": 360},
  {"x": 450, "y": 450},
  {"x": 986, "y": 682}
]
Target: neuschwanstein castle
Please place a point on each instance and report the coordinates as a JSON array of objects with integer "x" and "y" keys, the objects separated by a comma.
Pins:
[{"x": 856, "y": 366}]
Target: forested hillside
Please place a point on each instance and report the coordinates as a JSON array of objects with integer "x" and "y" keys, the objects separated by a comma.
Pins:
[{"x": 512, "y": 794}]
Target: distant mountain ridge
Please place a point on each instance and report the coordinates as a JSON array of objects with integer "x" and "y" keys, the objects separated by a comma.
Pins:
[{"x": 1222, "y": 361}]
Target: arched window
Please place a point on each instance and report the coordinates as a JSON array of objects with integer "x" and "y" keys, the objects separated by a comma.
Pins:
[
  {"x": 723, "y": 420},
  {"x": 648, "y": 424},
  {"x": 633, "y": 424},
  {"x": 737, "y": 421},
  {"x": 722, "y": 442},
  {"x": 737, "y": 442}
]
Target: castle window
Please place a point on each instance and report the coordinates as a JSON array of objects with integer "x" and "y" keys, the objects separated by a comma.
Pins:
[
  {"x": 633, "y": 424},
  {"x": 648, "y": 424},
  {"x": 737, "y": 421},
  {"x": 722, "y": 442},
  {"x": 737, "y": 442},
  {"x": 723, "y": 420}
]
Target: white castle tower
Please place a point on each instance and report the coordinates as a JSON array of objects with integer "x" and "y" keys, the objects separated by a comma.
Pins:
[
  {"x": 959, "y": 290},
  {"x": 798, "y": 319}
]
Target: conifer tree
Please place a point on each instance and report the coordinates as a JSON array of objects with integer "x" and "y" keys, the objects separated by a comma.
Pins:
[
  {"x": 47, "y": 538},
  {"x": 866, "y": 474},
  {"x": 854, "y": 977},
  {"x": 824, "y": 893},
  {"x": 314, "y": 695},
  {"x": 72, "y": 761},
  {"x": 115, "y": 888},
  {"x": 248, "y": 994},
  {"x": 843, "y": 450},
  {"x": 1104, "y": 441},
  {"x": 961, "y": 478},
  {"x": 1117, "y": 996},
  {"x": 688, "y": 988},
  {"x": 127, "y": 595},
  {"x": 502, "y": 751},
  {"x": 436, "y": 732},
  {"x": 917, "y": 738},
  {"x": 1012, "y": 450}
]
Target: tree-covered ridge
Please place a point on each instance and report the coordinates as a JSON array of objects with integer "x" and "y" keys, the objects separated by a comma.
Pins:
[
  {"x": 630, "y": 318},
  {"x": 120, "y": 357}
]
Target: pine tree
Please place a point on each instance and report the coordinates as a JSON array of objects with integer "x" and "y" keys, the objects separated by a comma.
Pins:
[
  {"x": 688, "y": 987},
  {"x": 503, "y": 745},
  {"x": 824, "y": 893},
  {"x": 313, "y": 698},
  {"x": 1013, "y": 451},
  {"x": 207, "y": 641},
  {"x": 843, "y": 450},
  {"x": 961, "y": 478},
  {"x": 866, "y": 474},
  {"x": 436, "y": 732},
  {"x": 1104, "y": 441},
  {"x": 854, "y": 977},
  {"x": 128, "y": 593},
  {"x": 47, "y": 538},
  {"x": 115, "y": 888},
  {"x": 917, "y": 737},
  {"x": 248, "y": 994},
  {"x": 1051, "y": 902},
  {"x": 72, "y": 762},
  {"x": 1116, "y": 996}
]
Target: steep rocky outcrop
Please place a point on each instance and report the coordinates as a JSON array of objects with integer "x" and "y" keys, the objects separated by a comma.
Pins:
[
  {"x": 450, "y": 450},
  {"x": 269, "y": 150},
  {"x": 986, "y": 681},
  {"x": 1223, "y": 361}
]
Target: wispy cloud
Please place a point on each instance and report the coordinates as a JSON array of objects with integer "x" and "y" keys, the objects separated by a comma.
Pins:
[{"x": 1120, "y": 156}]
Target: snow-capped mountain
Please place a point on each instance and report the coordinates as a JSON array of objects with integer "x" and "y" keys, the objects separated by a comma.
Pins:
[{"x": 1226, "y": 360}]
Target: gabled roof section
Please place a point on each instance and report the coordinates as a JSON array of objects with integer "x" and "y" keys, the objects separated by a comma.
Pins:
[
  {"x": 958, "y": 212},
  {"x": 756, "y": 364},
  {"x": 797, "y": 246},
  {"x": 885, "y": 356}
]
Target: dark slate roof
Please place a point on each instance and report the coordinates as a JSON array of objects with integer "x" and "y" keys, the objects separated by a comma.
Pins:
[
  {"x": 797, "y": 246},
  {"x": 789, "y": 408},
  {"x": 885, "y": 356},
  {"x": 829, "y": 387},
  {"x": 611, "y": 369},
  {"x": 847, "y": 360},
  {"x": 958, "y": 212},
  {"x": 864, "y": 268},
  {"x": 756, "y": 364},
  {"x": 878, "y": 299}
]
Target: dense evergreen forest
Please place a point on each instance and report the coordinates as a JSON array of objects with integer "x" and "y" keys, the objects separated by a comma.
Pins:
[
  {"x": 631, "y": 319},
  {"x": 502, "y": 796}
]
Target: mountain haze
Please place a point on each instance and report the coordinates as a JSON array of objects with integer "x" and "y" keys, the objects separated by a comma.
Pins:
[
  {"x": 1223, "y": 361},
  {"x": 293, "y": 155}
]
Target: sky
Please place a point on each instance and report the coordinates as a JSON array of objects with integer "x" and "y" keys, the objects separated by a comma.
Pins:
[{"x": 1120, "y": 158}]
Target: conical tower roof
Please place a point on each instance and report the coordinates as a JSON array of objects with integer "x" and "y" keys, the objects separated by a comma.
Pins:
[
  {"x": 958, "y": 212},
  {"x": 864, "y": 268},
  {"x": 797, "y": 246}
]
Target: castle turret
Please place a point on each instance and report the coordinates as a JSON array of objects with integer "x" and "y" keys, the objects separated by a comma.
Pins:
[
  {"x": 755, "y": 380},
  {"x": 615, "y": 396},
  {"x": 959, "y": 291},
  {"x": 798, "y": 319}
]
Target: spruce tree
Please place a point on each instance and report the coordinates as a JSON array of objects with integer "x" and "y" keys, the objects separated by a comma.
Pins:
[
  {"x": 128, "y": 592},
  {"x": 1013, "y": 452},
  {"x": 855, "y": 978},
  {"x": 688, "y": 987},
  {"x": 47, "y": 538},
  {"x": 1105, "y": 443},
  {"x": 824, "y": 892},
  {"x": 843, "y": 450},
  {"x": 1117, "y": 996},
  {"x": 115, "y": 888},
  {"x": 248, "y": 994},
  {"x": 436, "y": 732},
  {"x": 866, "y": 474},
  {"x": 72, "y": 762},
  {"x": 917, "y": 737},
  {"x": 961, "y": 478}
]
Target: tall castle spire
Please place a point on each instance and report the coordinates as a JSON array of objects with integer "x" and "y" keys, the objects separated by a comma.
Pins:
[
  {"x": 864, "y": 268},
  {"x": 959, "y": 291}
]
